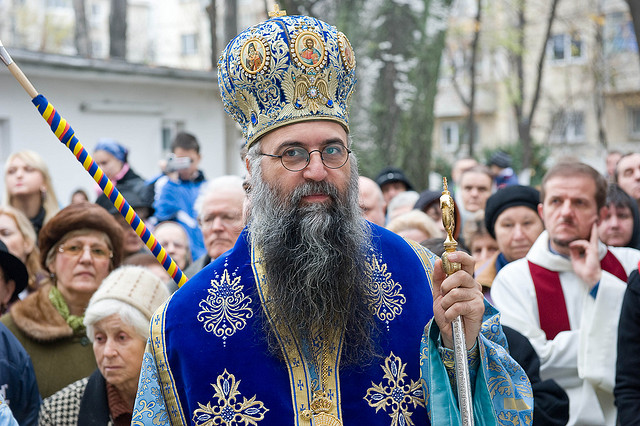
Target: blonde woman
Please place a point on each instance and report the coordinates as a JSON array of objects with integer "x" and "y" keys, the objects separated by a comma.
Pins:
[
  {"x": 17, "y": 233},
  {"x": 29, "y": 188}
]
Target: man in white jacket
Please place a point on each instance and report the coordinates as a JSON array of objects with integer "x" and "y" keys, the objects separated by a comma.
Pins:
[{"x": 566, "y": 294}]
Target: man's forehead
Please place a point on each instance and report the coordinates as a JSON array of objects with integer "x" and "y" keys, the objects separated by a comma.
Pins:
[
  {"x": 305, "y": 133},
  {"x": 630, "y": 161},
  {"x": 575, "y": 186},
  {"x": 475, "y": 179}
]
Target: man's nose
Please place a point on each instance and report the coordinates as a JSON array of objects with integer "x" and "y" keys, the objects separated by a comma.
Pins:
[
  {"x": 316, "y": 169},
  {"x": 566, "y": 209}
]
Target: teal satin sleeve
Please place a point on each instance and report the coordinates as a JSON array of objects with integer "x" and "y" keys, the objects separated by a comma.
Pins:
[
  {"x": 149, "y": 408},
  {"x": 502, "y": 392}
]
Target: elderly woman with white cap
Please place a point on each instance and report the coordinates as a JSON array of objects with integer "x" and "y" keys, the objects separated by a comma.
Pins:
[{"x": 117, "y": 321}]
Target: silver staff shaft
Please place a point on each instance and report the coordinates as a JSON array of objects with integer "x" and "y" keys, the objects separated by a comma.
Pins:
[{"x": 463, "y": 382}]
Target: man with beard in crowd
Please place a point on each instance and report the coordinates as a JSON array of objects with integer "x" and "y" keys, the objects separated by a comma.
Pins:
[{"x": 316, "y": 316}]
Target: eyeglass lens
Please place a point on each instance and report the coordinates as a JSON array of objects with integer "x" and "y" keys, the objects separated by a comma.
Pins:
[
  {"x": 75, "y": 250},
  {"x": 297, "y": 158}
]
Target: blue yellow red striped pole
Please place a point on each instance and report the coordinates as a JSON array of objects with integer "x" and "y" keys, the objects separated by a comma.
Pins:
[{"x": 66, "y": 135}]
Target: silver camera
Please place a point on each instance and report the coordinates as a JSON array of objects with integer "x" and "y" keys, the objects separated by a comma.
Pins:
[{"x": 175, "y": 164}]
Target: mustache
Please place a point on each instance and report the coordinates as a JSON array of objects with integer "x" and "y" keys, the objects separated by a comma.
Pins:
[{"x": 312, "y": 188}]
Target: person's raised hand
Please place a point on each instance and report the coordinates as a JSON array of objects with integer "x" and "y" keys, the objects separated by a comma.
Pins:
[{"x": 585, "y": 259}]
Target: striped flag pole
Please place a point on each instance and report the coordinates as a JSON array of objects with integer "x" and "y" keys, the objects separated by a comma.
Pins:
[{"x": 66, "y": 135}]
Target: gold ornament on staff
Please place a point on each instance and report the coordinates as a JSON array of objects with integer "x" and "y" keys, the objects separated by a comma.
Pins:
[{"x": 463, "y": 381}]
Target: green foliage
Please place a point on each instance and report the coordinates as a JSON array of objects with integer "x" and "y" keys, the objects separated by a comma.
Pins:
[{"x": 398, "y": 59}]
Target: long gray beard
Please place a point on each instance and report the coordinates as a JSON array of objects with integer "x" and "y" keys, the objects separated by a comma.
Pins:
[{"x": 314, "y": 260}]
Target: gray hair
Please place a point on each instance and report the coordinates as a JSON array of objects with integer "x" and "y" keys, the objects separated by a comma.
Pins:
[
  {"x": 129, "y": 315},
  {"x": 405, "y": 198},
  {"x": 221, "y": 183}
]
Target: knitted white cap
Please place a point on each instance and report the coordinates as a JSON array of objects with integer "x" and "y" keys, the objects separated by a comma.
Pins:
[{"x": 135, "y": 286}]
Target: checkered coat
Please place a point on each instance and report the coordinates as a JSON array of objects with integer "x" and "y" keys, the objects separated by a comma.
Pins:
[{"x": 83, "y": 402}]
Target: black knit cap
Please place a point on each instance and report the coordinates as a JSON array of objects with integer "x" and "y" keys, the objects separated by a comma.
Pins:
[
  {"x": 509, "y": 196},
  {"x": 392, "y": 174},
  {"x": 500, "y": 159},
  {"x": 13, "y": 269},
  {"x": 427, "y": 198}
]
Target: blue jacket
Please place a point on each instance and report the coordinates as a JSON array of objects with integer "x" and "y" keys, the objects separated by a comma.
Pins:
[
  {"x": 18, "y": 386},
  {"x": 176, "y": 202}
]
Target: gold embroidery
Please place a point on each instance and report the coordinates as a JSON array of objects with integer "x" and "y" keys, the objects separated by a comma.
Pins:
[
  {"x": 228, "y": 410},
  {"x": 226, "y": 308},
  {"x": 313, "y": 369},
  {"x": 387, "y": 294},
  {"x": 395, "y": 394}
]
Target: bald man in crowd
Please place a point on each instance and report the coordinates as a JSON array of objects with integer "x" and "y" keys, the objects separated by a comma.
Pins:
[
  {"x": 628, "y": 174},
  {"x": 371, "y": 200},
  {"x": 219, "y": 207}
]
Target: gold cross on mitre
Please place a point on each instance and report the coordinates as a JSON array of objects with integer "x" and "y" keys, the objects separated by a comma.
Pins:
[{"x": 277, "y": 12}]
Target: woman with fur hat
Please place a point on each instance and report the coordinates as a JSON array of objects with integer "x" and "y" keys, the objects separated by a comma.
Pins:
[
  {"x": 78, "y": 247},
  {"x": 117, "y": 321}
]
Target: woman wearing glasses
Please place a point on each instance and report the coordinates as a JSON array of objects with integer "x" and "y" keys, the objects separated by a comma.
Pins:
[{"x": 78, "y": 248}]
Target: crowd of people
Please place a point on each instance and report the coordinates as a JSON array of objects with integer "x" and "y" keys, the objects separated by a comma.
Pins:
[{"x": 296, "y": 304}]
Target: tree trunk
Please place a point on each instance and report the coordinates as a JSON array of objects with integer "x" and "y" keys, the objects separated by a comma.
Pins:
[
  {"x": 230, "y": 20},
  {"x": 82, "y": 40},
  {"x": 472, "y": 76},
  {"x": 599, "y": 83},
  {"x": 213, "y": 31},
  {"x": 230, "y": 129},
  {"x": 118, "y": 29},
  {"x": 523, "y": 118},
  {"x": 634, "y": 9}
]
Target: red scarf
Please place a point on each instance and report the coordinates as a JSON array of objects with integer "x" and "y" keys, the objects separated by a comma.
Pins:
[{"x": 552, "y": 308}]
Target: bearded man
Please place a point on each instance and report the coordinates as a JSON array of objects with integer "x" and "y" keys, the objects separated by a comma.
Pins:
[{"x": 316, "y": 316}]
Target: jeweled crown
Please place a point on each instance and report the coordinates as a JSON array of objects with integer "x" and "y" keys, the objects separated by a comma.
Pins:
[{"x": 285, "y": 70}]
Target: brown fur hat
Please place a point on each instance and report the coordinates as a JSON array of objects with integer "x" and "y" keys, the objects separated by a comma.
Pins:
[{"x": 80, "y": 216}]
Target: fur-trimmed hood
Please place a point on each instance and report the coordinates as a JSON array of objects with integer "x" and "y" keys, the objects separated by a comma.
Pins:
[{"x": 36, "y": 317}]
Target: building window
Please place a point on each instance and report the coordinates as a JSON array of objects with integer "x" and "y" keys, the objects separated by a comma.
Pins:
[
  {"x": 566, "y": 48},
  {"x": 634, "y": 122},
  {"x": 170, "y": 128},
  {"x": 189, "y": 44},
  {"x": 58, "y": 3},
  {"x": 619, "y": 35},
  {"x": 568, "y": 126},
  {"x": 450, "y": 140}
]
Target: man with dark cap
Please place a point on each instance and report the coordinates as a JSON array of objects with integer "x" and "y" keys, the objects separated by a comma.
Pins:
[
  {"x": 392, "y": 181},
  {"x": 500, "y": 166},
  {"x": 316, "y": 316},
  {"x": 13, "y": 278}
]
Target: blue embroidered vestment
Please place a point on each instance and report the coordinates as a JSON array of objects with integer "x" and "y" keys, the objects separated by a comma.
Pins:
[{"x": 207, "y": 362}]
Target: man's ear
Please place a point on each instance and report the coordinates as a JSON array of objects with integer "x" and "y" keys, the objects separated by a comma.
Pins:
[
  {"x": 247, "y": 164},
  {"x": 540, "y": 212}
]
